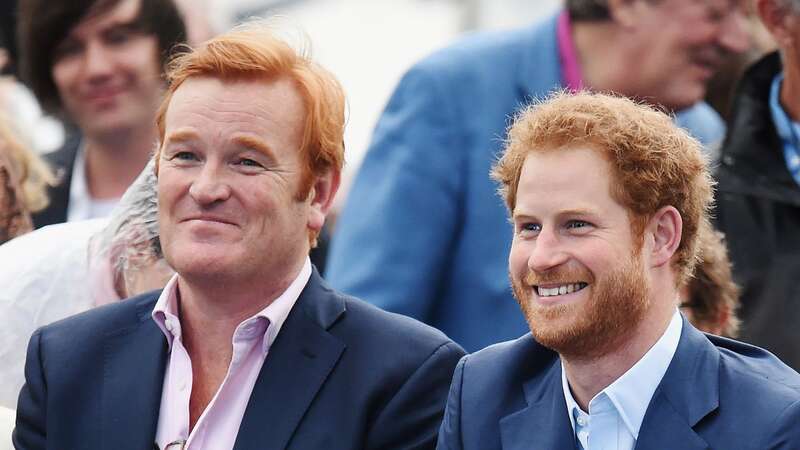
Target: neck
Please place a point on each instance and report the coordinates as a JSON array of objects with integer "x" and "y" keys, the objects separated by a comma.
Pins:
[
  {"x": 114, "y": 160},
  {"x": 212, "y": 307},
  {"x": 588, "y": 376}
]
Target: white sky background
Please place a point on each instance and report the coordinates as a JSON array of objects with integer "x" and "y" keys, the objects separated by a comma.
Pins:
[{"x": 369, "y": 44}]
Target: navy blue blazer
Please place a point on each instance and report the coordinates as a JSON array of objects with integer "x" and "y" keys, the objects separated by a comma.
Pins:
[
  {"x": 341, "y": 375},
  {"x": 716, "y": 394}
]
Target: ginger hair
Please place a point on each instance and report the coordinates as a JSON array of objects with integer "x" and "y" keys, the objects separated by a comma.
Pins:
[{"x": 654, "y": 162}]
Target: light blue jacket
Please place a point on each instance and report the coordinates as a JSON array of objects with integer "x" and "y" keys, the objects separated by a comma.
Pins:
[{"x": 424, "y": 232}]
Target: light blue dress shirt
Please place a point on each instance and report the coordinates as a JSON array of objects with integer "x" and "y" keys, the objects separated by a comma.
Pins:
[
  {"x": 788, "y": 130},
  {"x": 616, "y": 413}
]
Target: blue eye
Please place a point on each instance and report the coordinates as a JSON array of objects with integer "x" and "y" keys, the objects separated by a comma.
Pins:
[
  {"x": 529, "y": 228},
  {"x": 249, "y": 162},
  {"x": 185, "y": 156}
]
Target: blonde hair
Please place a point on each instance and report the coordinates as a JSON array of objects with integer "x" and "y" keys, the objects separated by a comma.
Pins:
[
  {"x": 33, "y": 174},
  {"x": 654, "y": 162}
]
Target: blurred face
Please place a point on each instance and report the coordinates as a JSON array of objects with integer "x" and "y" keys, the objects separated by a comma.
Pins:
[
  {"x": 108, "y": 73},
  {"x": 228, "y": 179},
  {"x": 574, "y": 267},
  {"x": 680, "y": 44}
]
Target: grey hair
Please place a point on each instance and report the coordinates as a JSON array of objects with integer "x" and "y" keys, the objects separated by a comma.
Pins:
[{"x": 131, "y": 238}]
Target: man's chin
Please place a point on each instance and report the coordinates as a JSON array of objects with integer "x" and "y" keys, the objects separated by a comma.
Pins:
[
  {"x": 202, "y": 264},
  {"x": 689, "y": 96}
]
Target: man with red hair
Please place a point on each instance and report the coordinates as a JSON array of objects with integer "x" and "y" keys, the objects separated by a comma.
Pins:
[
  {"x": 246, "y": 347},
  {"x": 608, "y": 199}
]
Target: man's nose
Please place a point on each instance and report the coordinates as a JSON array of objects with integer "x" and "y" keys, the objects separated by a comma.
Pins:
[
  {"x": 548, "y": 252},
  {"x": 734, "y": 33},
  {"x": 98, "y": 60},
  {"x": 210, "y": 186}
]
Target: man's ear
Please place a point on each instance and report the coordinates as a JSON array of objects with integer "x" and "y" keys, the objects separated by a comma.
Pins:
[
  {"x": 778, "y": 23},
  {"x": 666, "y": 228},
  {"x": 321, "y": 197}
]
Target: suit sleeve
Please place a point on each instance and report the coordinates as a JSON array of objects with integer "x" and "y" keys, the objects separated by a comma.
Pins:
[
  {"x": 394, "y": 236},
  {"x": 450, "y": 431},
  {"x": 787, "y": 432},
  {"x": 30, "y": 432},
  {"x": 411, "y": 419}
]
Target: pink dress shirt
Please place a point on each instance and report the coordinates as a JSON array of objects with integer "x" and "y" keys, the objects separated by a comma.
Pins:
[
  {"x": 568, "y": 54},
  {"x": 218, "y": 425}
]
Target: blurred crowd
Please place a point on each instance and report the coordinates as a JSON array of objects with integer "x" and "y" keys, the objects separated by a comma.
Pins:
[{"x": 422, "y": 231}]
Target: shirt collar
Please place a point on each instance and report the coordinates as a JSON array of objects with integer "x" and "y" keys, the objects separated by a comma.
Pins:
[
  {"x": 631, "y": 393},
  {"x": 78, "y": 206},
  {"x": 165, "y": 312},
  {"x": 782, "y": 121},
  {"x": 81, "y": 205},
  {"x": 788, "y": 130}
]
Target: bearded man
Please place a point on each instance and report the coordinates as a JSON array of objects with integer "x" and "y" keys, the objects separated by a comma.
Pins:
[{"x": 608, "y": 199}]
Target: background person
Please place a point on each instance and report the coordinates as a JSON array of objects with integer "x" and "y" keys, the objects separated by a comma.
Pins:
[
  {"x": 758, "y": 206},
  {"x": 422, "y": 197},
  {"x": 98, "y": 65},
  {"x": 64, "y": 269},
  {"x": 24, "y": 180},
  {"x": 711, "y": 297}
]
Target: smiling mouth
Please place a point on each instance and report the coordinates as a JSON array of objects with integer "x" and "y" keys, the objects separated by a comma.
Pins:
[
  {"x": 209, "y": 220},
  {"x": 103, "y": 95},
  {"x": 563, "y": 289}
]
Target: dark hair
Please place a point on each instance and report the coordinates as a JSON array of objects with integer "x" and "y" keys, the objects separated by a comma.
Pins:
[
  {"x": 8, "y": 41},
  {"x": 43, "y": 24},
  {"x": 587, "y": 10}
]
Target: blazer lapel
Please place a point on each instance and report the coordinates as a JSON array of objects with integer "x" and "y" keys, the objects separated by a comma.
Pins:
[
  {"x": 296, "y": 367},
  {"x": 544, "y": 424},
  {"x": 665, "y": 427},
  {"x": 688, "y": 392},
  {"x": 133, "y": 376}
]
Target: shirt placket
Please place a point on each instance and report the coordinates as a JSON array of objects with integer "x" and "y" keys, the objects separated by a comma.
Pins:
[
  {"x": 604, "y": 426},
  {"x": 244, "y": 341},
  {"x": 180, "y": 386}
]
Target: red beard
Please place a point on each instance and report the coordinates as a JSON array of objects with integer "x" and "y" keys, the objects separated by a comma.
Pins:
[{"x": 592, "y": 327}]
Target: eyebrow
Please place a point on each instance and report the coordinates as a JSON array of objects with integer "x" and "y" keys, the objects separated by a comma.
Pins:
[
  {"x": 130, "y": 26},
  {"x": 583, "y": 212},
  {"x": 577, "y": 212},
  {"x": 181, "y": 136},
  {"x": 248, "y": 142},
  {"x": 256, "y": 144}
]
